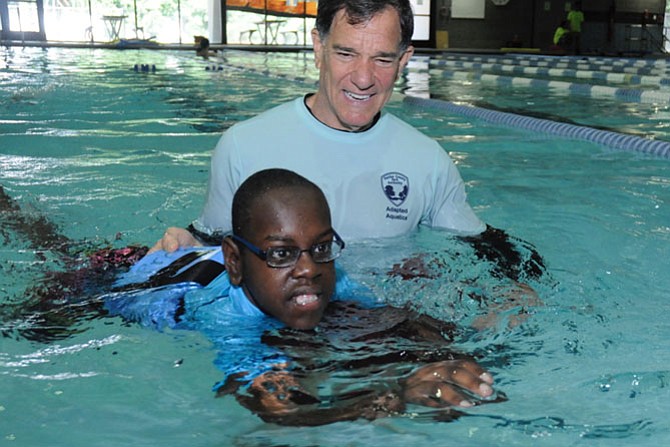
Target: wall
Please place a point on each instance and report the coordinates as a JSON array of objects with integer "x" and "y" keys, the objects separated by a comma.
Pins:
[{"x": 534, "y": 22}]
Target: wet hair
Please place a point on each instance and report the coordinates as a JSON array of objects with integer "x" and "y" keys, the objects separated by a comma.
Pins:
[
  {"x": 261, "y": 183},
  {"x": 203, "y": 44},
  {"x": 362, "y": 11}
]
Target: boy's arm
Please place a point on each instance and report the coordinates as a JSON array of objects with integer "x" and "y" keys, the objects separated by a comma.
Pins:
[
  {"x": 451, "y": 383},
  {"x": 279, "y": 397},
  {"x": 512, "y": 262}
]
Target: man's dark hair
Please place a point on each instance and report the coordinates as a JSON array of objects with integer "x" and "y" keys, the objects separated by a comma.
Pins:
[
  {"x": 362, "y": 11},
  {"x": 257, "y": 185}
]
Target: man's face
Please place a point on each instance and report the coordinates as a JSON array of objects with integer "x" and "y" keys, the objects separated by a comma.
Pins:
[
  {"x": 358, "y": 66},
  {"x": 298, "y": 295}
]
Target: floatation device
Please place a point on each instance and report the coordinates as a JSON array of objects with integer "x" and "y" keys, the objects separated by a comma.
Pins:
[
  {"x": 152, "y": 292},
  {"x": 195, "y": 264}
]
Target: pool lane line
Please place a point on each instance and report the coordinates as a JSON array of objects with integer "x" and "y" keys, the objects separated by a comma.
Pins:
[
  {"x": 636, "y": 95},
  {"x": 607, "y": 138},
  {"x": 548, "y": 72},
  {"x": 264, "y": 72},
  {"x": 638, "y": 66},
  {"x": 579, "y": 66},
  {"x": 577, "y": 89}
]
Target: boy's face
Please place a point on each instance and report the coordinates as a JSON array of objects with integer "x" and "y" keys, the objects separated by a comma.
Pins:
[{"x": 296, "y": 295}]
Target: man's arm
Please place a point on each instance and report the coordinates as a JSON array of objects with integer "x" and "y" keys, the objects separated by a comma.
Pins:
[
  {"x": 511, "y": 261},
  {"x": 512, "y": 258}
]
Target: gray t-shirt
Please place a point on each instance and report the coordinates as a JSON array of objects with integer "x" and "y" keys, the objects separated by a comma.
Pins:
[{"x": 382, "y": 182}]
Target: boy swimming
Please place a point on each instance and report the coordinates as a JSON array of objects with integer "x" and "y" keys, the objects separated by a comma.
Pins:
[
  {"x": 285, "y": 321},
  {"x": 300, "y": 343}
]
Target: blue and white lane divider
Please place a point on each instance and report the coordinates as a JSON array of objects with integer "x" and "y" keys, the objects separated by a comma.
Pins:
[
  {"x": 547, "y": 72},
  {"x": 637, "y": 66},
  {"x": 571, "y": 88},
  {"x": 577, "y": 65},
  {"x": 264, "y": 72},
  {"x": 611, "y": 139}
]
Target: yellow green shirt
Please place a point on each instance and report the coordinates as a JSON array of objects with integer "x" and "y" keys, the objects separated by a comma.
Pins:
[{"x": 575, "y": 18}]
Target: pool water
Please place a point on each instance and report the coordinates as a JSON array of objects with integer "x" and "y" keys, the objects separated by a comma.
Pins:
[
  {"x": 643, "y": 119},
  {"x": 112, "y": 156},
  {"x": 650, "y": 119}
]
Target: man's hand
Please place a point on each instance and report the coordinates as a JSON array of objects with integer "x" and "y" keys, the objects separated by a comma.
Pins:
[
  {"x": 448, "y": 383},
  {"x": 175, "y": 238}
]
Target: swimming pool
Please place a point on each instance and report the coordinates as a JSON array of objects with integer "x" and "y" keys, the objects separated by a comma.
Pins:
[
  {"x": 544, "y": 87},
  {"x": 113, "y": 155}
]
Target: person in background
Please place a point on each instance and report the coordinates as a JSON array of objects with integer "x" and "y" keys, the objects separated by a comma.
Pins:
[
  {"x": 381, "y": 176},
  {"x": 516, "y": 42},
  {"x": 576, "y": 18},
  {"x": 562, "y": 36},
  {"x": 202, "y": 47}
]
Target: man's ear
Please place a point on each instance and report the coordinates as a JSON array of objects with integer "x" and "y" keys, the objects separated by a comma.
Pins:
[
  {"x": 231, "y": 255},
  {"x": 318, "y": 47},
  {"x": 404, "y": 59}
]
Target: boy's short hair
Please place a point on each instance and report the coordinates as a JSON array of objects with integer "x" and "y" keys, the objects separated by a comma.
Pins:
[{"x": 257, "y": 185}]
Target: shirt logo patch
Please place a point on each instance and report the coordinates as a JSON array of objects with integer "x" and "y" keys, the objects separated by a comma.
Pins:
[{"x": 396, "y": 187}]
